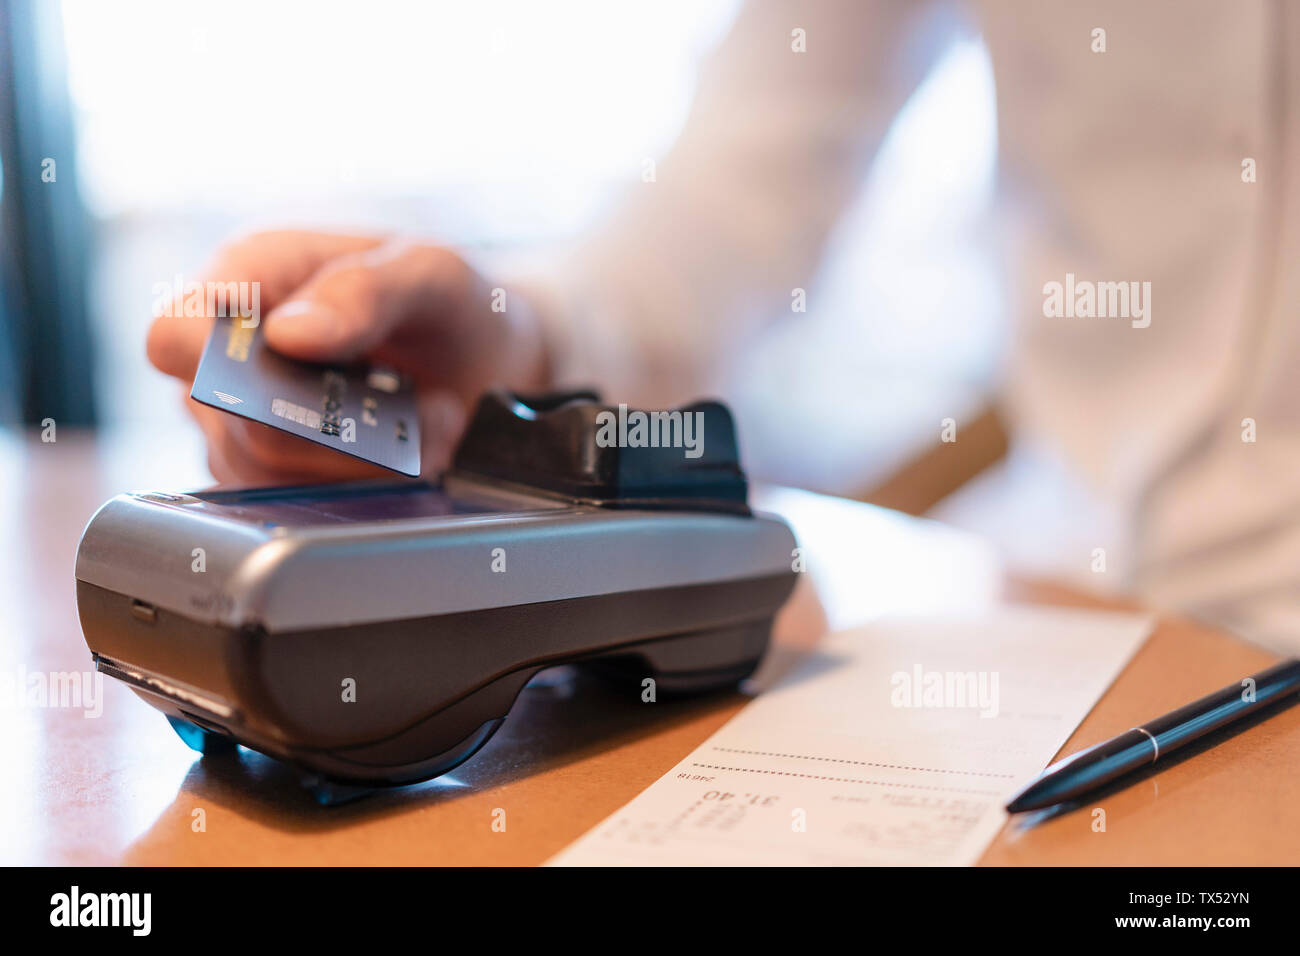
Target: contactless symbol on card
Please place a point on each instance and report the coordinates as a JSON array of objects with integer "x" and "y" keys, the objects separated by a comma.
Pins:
[{"x": 366, "y": 412}]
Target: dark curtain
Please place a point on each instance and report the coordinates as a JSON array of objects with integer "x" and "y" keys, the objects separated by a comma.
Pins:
[{"x": 45, "y": 349}]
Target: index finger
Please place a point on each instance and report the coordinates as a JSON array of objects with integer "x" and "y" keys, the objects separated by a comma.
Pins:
[{"x": 276, "y": 262}]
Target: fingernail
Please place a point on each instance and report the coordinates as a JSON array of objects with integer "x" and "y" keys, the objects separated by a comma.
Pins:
[{"x": 307, "y": 319}]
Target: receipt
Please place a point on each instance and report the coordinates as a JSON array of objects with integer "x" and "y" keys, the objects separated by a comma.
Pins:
[{"x": 897, "y": 743}]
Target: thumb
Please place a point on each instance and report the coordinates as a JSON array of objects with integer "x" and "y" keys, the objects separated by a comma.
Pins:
[{"x": 354, "y": 303}]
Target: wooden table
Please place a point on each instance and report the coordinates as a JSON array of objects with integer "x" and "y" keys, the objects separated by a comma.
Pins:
[{"x": 121, "y": 788}]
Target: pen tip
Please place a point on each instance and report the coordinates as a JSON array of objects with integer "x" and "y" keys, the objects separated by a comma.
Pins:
[{"x": 1030, "y": 797}]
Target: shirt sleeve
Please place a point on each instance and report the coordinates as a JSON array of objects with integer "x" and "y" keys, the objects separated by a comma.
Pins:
[{"x": 789, "y": 111}]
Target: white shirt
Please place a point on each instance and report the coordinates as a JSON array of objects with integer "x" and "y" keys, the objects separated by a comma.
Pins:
[{"x": 1119, "y": 166}]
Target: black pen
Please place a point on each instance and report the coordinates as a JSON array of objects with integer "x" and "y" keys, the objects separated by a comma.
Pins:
[{"x": 1089, "y": 769}]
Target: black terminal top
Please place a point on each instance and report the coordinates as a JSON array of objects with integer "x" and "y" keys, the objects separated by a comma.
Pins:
[{"x": 570, "y": 445}]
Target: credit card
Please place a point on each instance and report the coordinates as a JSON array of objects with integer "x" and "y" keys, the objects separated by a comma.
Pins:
[{"x": 368, "y": 412}]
